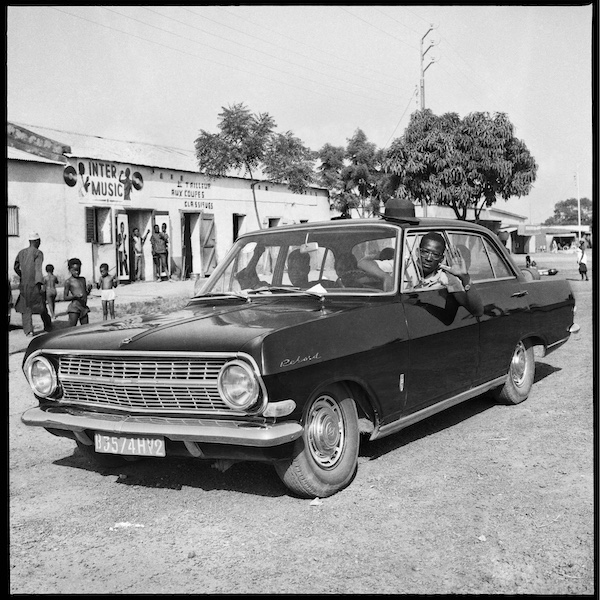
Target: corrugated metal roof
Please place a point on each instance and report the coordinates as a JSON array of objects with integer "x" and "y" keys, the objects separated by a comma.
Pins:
[
  {"x": 137, "y": 153},
  {"x": 17, "y": 154}
]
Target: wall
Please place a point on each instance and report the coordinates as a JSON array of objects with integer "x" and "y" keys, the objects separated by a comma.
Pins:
[{"x": 52, "y": 200}]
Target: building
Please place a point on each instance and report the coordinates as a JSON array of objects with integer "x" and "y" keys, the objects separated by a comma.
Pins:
[
  {"x": 85, "y": 194},
  {"x": 548, "y": 238}
]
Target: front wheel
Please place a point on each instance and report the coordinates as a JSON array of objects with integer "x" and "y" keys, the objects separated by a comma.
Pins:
[
  {"x": 520, "y": 375},
  {"x": 325, "y": 458}
]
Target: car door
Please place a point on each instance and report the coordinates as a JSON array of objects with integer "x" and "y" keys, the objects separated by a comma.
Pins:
[
  {"x": 506, "y": 316},
  {"x": 443, "y": 337}
]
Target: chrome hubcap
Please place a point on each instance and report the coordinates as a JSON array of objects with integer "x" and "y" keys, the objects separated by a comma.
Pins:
[
  {"x": 518, "y": 365},
  {"x": 325, "y": 432}
]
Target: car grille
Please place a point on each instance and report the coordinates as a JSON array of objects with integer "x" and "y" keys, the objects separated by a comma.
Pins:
[{"x": 143, "y": 384}]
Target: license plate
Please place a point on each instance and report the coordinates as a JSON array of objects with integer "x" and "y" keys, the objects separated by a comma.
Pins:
[{"x": 129, "y": 445}]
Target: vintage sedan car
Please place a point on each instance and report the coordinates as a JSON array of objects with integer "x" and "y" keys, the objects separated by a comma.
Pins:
[{"x": 290, "y": 352}]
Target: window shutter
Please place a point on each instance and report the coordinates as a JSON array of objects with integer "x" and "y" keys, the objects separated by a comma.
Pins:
[{"x": 90, "y": 225}]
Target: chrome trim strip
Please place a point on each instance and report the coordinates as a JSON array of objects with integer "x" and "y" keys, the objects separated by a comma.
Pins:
[
  {"x": 559, "y": 342},
  {"x": 429, "y": 411},
  {"x": 242, "y": 433},
  {"x": 174, "y": 383}
]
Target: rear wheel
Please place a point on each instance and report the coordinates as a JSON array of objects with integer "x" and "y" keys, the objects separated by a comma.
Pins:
[
  {"x": 520, "y": 375},
  {"x": 326, "y": 456}
]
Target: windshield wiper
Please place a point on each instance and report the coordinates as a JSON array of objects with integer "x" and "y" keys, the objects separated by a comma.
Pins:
[
  {"x": 239, "y": 295},
  {"x": 287, "y": 290}
]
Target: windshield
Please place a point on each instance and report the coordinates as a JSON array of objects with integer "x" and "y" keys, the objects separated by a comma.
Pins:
[{"x": 326, "y": 260}]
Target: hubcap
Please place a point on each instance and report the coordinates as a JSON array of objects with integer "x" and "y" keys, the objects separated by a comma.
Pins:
[
  {"x": 325, "y": 432},
  {"x": 518, "y": 365}
]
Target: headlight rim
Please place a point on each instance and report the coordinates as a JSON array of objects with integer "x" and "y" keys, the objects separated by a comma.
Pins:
[
  {"x": 255, "y": 404},
  {"x": 29, "y": 364}
]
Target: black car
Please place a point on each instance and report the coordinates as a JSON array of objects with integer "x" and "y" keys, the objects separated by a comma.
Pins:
[{"x": 291, "y": 351}]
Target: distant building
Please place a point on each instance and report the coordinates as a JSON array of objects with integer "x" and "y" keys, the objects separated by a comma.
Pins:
[
  {"x": 545, "y": 238},
  {"x": 82, "y": 192},
  {"x": 503, "y": 223}
]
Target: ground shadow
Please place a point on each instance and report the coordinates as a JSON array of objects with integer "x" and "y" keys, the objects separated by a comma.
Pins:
[
  {"x": 443, "y": 420},
  {"x": 434, "y": 424},
  {"x": 174, "y": 473},
  {"x": 542, "y": 370}
]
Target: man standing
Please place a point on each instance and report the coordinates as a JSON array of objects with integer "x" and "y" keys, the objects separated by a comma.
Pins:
[
  {"x": 138, "y": 251},
  {"x": 582, "y": 261},
  {"x": 159, "y": 253},
  {"x": 31, "y": 300}
]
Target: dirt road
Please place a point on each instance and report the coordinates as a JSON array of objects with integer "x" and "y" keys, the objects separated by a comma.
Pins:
[{"x": 483, "y": 498}]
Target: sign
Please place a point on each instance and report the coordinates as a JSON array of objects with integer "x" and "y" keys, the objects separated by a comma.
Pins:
[
  {"x": 193, "y": 194},
  {"x": 103, "y": 182}
]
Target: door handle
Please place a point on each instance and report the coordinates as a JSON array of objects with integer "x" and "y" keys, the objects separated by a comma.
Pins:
[{"x": 519, "y": 294}]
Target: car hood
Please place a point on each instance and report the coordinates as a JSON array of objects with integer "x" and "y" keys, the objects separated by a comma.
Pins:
[
  {"x": 200, "y": 327},
  {"x": 280, "y": 334}
]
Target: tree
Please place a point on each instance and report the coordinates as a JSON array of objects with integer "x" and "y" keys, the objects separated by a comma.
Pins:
[
  {"x": 566, "y": 212},
  {"x": 353, "y": 175},
  {"x": 249, "y": 142},
  {"x": 463, "y": 164}
]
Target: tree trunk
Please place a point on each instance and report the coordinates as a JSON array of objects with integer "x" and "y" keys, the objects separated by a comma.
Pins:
[{"x": 252, "y": 185}]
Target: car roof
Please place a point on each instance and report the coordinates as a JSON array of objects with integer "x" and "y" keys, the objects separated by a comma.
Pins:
[{"x": 424, "y": 223}]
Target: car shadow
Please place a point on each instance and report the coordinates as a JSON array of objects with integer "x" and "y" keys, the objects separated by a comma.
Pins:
[
  {"x": 434, "y": 424},
  {"x": 174, "y": 473},
  {"x": 443, "y": 420},
  {"x": 260, "y": 479},
  {"x": 542, "y": 370}
]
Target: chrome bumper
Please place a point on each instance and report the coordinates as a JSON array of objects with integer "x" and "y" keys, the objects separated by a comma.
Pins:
[{"x": 214, "y": 431}]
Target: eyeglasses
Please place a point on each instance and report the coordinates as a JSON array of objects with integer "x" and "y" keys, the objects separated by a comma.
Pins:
[{"x": 429, "y": 253}]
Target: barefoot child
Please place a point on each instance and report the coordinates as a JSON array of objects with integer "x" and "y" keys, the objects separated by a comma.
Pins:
[
  {"x": 50, "y": 281},
  {"x": 107, "y": 285},
  {"x": 77, "y": 289}
]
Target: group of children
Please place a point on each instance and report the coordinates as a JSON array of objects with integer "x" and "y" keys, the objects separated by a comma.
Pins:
[{"x": 76, "y": 289}]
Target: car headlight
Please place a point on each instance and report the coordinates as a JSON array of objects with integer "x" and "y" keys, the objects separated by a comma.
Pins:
[
  {"x": 41, "y": 374},
  {"x": 238, "y": 385}
]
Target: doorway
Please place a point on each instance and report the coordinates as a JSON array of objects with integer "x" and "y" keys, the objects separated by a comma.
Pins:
[
  {"x": 199, "y": 244},
  {"x": 142, "y": 221}
]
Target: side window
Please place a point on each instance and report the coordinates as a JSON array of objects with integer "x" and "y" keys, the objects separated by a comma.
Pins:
[
  {"x": 411, "y": 266},
  {"x": 483, "y": 260},
  {"x": 473, "y": 251},
  {"x": 501, "y": 269}
]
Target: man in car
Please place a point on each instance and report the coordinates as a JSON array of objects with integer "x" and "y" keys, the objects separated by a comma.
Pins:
[
  {"x": 298, "y": 268},
  {"x": 454, "y": 277}
]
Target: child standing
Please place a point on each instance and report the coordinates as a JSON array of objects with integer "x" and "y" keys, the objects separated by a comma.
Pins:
[
  {"x": 107, "y": 285},
  {"x": 50, "y": 281},
  {"x": 77, "y": 289}
]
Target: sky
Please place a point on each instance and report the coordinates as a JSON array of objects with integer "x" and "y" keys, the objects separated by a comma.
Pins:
[{"x": 162, "y": 74}]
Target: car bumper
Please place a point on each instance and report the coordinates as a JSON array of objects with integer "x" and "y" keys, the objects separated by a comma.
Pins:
[{"x": 238, "y": 433}]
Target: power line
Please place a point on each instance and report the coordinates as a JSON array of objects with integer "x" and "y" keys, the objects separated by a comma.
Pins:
[
  {"x": 229, "y": 41},
  {"x": 291, "y": 39},
  {"x": 397, "y": 39},
  {"x": 402, "y": 117},
  {"x": 205, "y": 58}
]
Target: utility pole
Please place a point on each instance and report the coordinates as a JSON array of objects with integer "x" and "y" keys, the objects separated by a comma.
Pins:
[
  {"x": 578, "y": 206},
  {"x": 422, "y": 56},
  {"x": 422, "y": 88}
]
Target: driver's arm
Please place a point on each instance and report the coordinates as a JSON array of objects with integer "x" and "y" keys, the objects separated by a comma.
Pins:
[{"x": 382, "y": 270}]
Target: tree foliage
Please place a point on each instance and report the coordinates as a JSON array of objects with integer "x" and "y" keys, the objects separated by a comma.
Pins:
[
  {"x": 248, "y": 142},
  {"x": 461, "y": 163},
  {"x": 566, "y": 212},
  {"x": 354, "y": 175}
]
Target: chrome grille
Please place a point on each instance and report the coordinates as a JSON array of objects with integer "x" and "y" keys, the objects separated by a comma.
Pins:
[{"x": 143, "y": 383}]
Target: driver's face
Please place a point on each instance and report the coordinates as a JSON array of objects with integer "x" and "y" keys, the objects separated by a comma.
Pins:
[{"x": 432, "y": 254}]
